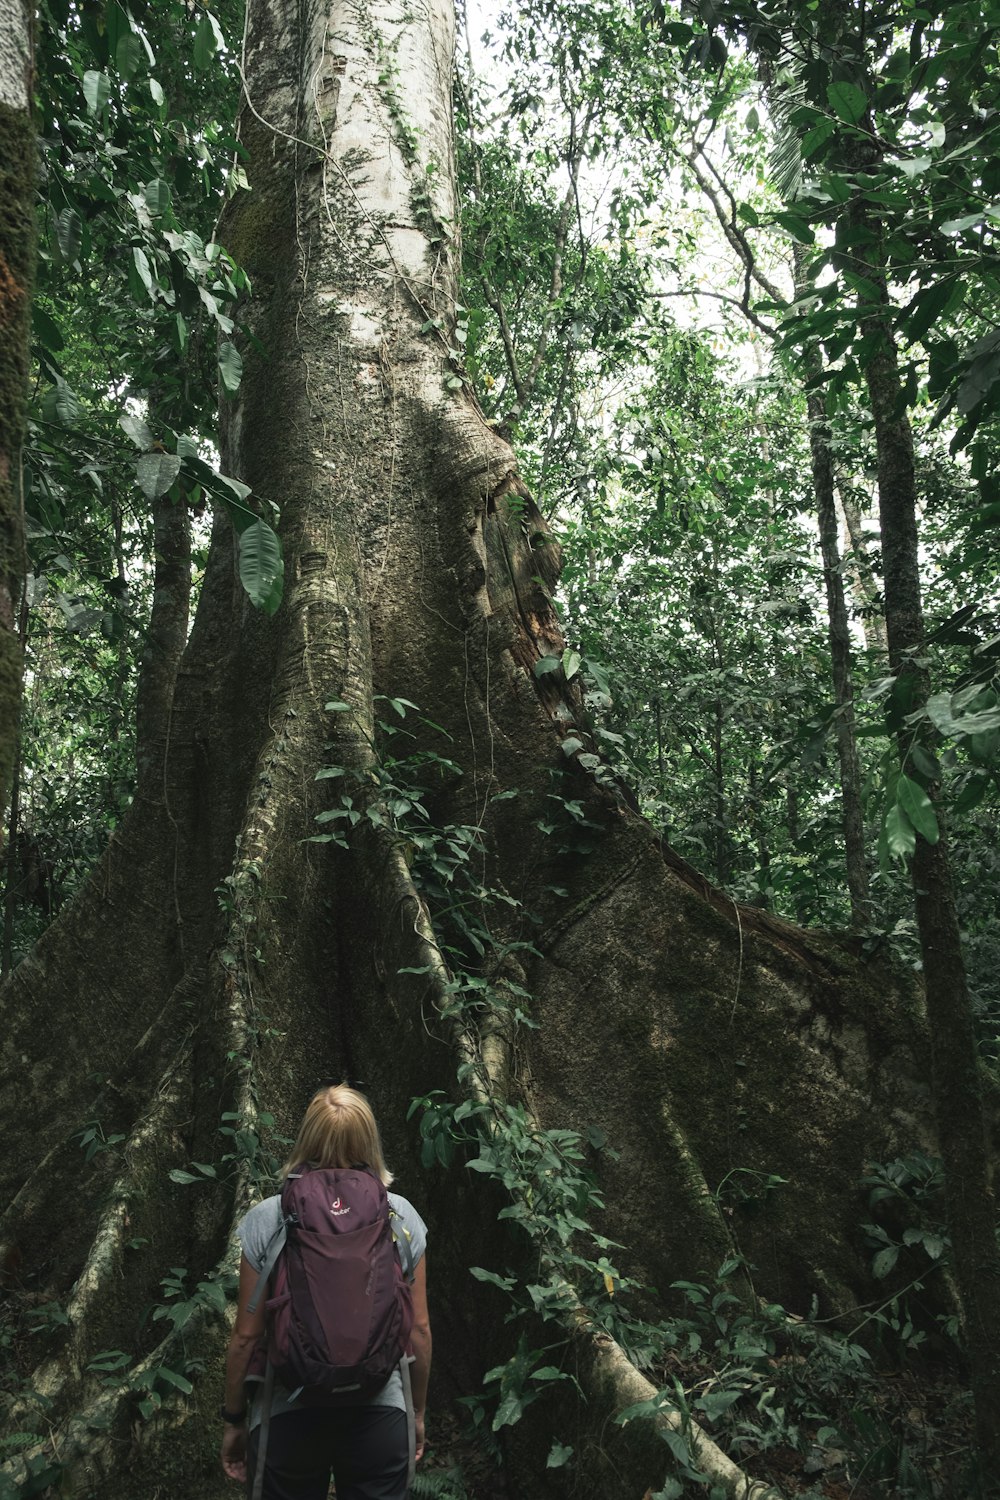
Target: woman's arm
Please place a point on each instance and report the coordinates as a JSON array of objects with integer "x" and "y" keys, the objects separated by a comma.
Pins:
[
  {"x": 420, "y": 1343},
  {"x": 245, "y": 1336}
]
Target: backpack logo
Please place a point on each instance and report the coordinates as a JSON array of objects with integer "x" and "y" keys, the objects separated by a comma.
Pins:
[{"x": 335, "y": 1208}]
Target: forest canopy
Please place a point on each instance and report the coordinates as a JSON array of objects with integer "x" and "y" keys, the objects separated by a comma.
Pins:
[{"x": 497, "y": 545}]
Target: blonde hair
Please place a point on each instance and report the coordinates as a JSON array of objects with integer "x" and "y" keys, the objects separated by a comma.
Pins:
[{"x": 338, "y": 1130}]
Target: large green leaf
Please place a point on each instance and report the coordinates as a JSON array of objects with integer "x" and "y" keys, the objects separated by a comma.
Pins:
[
  {"x": 96, "y": 90},
  {"x": 262, "y": 566},
  {"x": 135, "y": 428},
  {"x": 156, "y": 472},
  {"x": 69, "y": 233},
  {"x": 62, "y": 405},
  {"x": 847, "y": 101},
  {"x": 899, "y": 835},
  {"x": 157, "y": 195},
  {"x": 941, "y": 711},
  {"x": 141, "y": 263},
  {"x": 230, "y": 368},
  {"x": 918, "y": 808},
  {"x": 128, "y": 54},
  {"x": 928, "y": 305},
  {"x": 207, "y": 40}
]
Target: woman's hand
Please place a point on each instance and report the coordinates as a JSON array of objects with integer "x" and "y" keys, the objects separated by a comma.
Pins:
[
  {"x": 418, "y": 1421},
  {"x": 234, "y": 1451}
]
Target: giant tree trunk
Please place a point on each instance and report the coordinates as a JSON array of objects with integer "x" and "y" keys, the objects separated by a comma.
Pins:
[{"x": 219, "y": 964}]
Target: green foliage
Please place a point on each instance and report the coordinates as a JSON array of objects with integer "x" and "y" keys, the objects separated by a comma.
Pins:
[
  {"x": 436, "y": 1484},
  {"x": 94, "y": 1141}
]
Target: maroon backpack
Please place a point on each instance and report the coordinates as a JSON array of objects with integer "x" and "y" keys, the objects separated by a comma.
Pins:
[{"x": 340, "y": 1312}]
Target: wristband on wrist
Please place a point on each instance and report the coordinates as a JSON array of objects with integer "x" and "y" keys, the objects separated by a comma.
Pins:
[{"x": 232, "y": 1418}]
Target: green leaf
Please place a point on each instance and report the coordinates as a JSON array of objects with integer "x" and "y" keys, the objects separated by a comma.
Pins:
[
  {"x": 136, "y": 429},
  {"x": 230, "y": 368},
  {"x": 940, "y": 712},
  {"x": 861, "y": 284},
  {"x": 956, "y": 226},
  {"x": 511, "y": 1407},
  {"x": 797, "y": 227},
  {"x": 157, "y": 195},
  {"x": 207, "y": 40},
  {"x": 571, "y": 663},
  {"x": 212, "y": 1293},
  {"x": 900, "y": 837},
  {"x": 974, "y": 789},
  {"x": 918, "y": 808},
  {"x": 128, "y": 54},
  {"x": 156, "y": 93},
  {"x": 930, "y": 304},
  {"x": 176, "y": 1174},
  {"x": 96, "y": 90},
  {"x": 715, "y": 1403},
  {"x": 559, "y": 1454},
  {"x": 546, "y": 665},
  {"x": 817, "y": 137},
  {"x": 141, "y": 262},
  {"x": 505, "y": 1283},
  {"x": 912, "y": 166},
  {"x": 46, "y": 330},
  {"x": 61, "y": 404},
  {"x": 884, "y": 1261},
  {"x": 69, "y": 234},
  {"x": 847, "y": 101},
  {"x": 173, "y": 1377},
  {"x": 156, "y": 472},
  {"x": 262, "y": 566}
]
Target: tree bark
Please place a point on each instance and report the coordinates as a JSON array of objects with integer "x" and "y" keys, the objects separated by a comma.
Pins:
[
  {"x": 956, "y": 1077},
  {"x": 219, "y": 963},
  {"x": 839, "y": 635},
  {"x": 865, "y": 583},
  {"x": 17, "y": 259},
  {"x": 957, "y": 1083}
]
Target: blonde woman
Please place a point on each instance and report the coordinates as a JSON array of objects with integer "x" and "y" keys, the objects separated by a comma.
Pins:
[{"x": 363, "y": 1441}]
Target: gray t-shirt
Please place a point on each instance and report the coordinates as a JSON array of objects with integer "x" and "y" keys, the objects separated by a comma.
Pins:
[{"x": 255, "y": 1233}]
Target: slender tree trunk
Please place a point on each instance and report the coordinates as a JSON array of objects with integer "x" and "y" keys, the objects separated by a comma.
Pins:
[
  {"x": 838, "y": 630},
  {"x": 12, "y": 852},
  {"x": 957, "y": 1084},
  {"x": 760, "y": 833},
  {"x": 17, "y": 258},
  {"x": 866, "y": 585}
]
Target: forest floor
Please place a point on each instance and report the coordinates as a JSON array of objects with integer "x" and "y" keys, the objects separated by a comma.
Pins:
[{"x": 908, "y": 1437}]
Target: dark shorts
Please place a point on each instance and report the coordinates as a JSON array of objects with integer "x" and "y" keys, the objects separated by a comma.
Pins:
[{"x": 364, "y": 1448}]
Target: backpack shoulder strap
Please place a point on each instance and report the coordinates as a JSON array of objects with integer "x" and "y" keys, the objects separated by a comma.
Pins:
[
  {"x": 275, "y": 1245},
  {"x": 401, "y": 1239}
]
